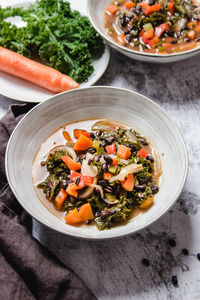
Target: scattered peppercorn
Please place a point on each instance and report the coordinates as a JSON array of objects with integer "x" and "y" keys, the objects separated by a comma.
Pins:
[
  {"x": 172, "y": 242},
  {"x": 146, "y": 262},
  {"x": 174, "y": 281},
  {"x": 185, "y": 251}
]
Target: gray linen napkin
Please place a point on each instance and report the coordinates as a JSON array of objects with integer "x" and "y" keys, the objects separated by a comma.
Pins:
[{"x": 27, "y": 269}]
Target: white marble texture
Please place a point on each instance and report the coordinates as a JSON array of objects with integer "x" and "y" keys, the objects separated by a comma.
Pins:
[{"x": 113, "y": 269}]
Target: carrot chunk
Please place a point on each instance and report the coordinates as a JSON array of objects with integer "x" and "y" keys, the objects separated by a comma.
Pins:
[
  {"x": 72, "y": 190},
  {"x": 128, "y": 183},
  {"x": 78, "y": 132},
  {"x": 73, "y": 217},
  {"x": 60, "y": 198},
  {"x": 153, "y": 41},
  {"x": 88, "y": 180},
  {"x": 171, "y": 7},
  {"x": 152, "y": 8},
  {"x": 110, "y": 149},
  {"x": 107, "y": 175},
  {"x": 161, "y": 28},
  {"x": 146, "y": 203},
  {"x": 25, "y": 68},
  {"x": 122, "y": 39},
  {"x": 129, "y": 4},
  {"x": 142, "y": 153},
  {"x": 191, "y": 34},
  {"x": 114, "y": 162},
  {"x": 71, "y": 164},
  {"x": 83, "y": 143},
  {"x": 149, "y": 34},
  {"x": 85, "y": 212},
  {"x": 124, "y": 152},
  {"x": 112, "y": 9}
]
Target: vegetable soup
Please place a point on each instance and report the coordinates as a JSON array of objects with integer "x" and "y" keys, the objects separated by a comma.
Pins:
[
  {"x": 154, "y": 26},
  {"x": 99, "y": 172}
]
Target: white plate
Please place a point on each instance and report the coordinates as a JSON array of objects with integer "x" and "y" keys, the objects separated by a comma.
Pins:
[
  {"x": 126, "y": 106},
  {"x": 22, "y": 90}
]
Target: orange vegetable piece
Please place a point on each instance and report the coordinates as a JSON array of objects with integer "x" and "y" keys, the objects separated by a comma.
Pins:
[
  {"x": 152, "y": 8},
  {"x": 87, "y": 180},
  {"x": 167, "y": 46},
  {"x": 73, "y": 217},
  {"x": 72, "y": 190},
  {"x": 122, "y": 39},
  {"x": 85, "y": 212},
  {"x": 112, "y": 9},
  {"x": 171, "y": 7},
  {"x": 149, "y": 34},
  {"x": 83, "y": 143},
  {"x": 67, "y": 136},
  {"x": 142, "y": 153},
  {"x": 128, "y": 183},
  {"x": 71, "y": 164},
  {"x": 78, "y": 132},
  {"x": 110, "y": 149},
  {"x": 114, "y": 162},
  {"x": 129, "y": 4},
  {"x": 124, "y": 152},
  {"x": 141, "y": 33},
  {"x": 153, "y": 41},
  {"x": 25, "y": 68},
  {"x": 107, "y": 175},
  {"x": 191, "y": 34},
  {"x": 60, "y": 198},
  {"x": 146, "y": 203}
]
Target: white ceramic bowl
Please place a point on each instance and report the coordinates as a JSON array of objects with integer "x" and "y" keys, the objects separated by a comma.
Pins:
[
  {"x": 96, "y": 11},
  {"x": 96, "y": 102}
]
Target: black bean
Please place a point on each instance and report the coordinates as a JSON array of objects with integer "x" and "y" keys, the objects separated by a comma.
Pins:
[
  {"x": 104, "y": 214},
  {"x": 92, "y": 135},
  {"x": 128, "y": 38},
  {"x": 184, "y": 27},
  {"x": 155, "y": 189},
  {"x": 172, "y": 242},
  {"x": 140, "y": 187},
  {"x": 174, "y": 280},
  {"x": 117, "y": 189},
  {"x": 131, "y": 147},
  {"x": 108, "y": 159},
  {"x": 72, "y": 199},
  {"x": 187, "y": 40},
  {"x": 150, "y": 2},
  {"x": 146, "y": 262},
  {"x": 143, "y": 142},
  {"x": 97, "y": 158},
  {"x": 110, "y": 140},
  {"x": 174, "y": 42},
  {"x": 127, "y": 31},
  {"x": 65, "y": 184},
  {"x": 197, "y": 39},
  {"x": 138, "y": 10},
  {"x": 150, "y": 157},
  {"x": 98, "y": 133},
  {"x": 124, "y": 21},
  {"x": 134, "y": 153},
  {"x": 185, "y": 251},
  {"x": 91, "y": 150},
  {"x": 103, "y": 182},
  {"x": 88, "y": 222},
  {"x": 112, "y": 211},
  {"x": 103, "y": 143},
  {"x": 78, "y": 159},
  {"x": 82, "y": 156},
  {"x": 108, "y": 189},
  {"x": 105, "y": 167},
  {"x": 90, "y": 161},
  {"x": 43, "y": 163},
  {"x": 78, "y": 180},
  {"x": 198, "y": 256}
]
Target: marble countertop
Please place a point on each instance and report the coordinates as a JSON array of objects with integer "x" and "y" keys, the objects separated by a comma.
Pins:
[{"x": 113, "y": 269}]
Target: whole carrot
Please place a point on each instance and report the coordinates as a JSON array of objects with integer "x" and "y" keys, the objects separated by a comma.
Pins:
[{"x": 25, "y": 68}]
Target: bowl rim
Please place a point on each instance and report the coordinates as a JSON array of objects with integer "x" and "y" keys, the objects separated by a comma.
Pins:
[
  {"x": 130, "y": 51},
  {"x": 111, "y": 235}
]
